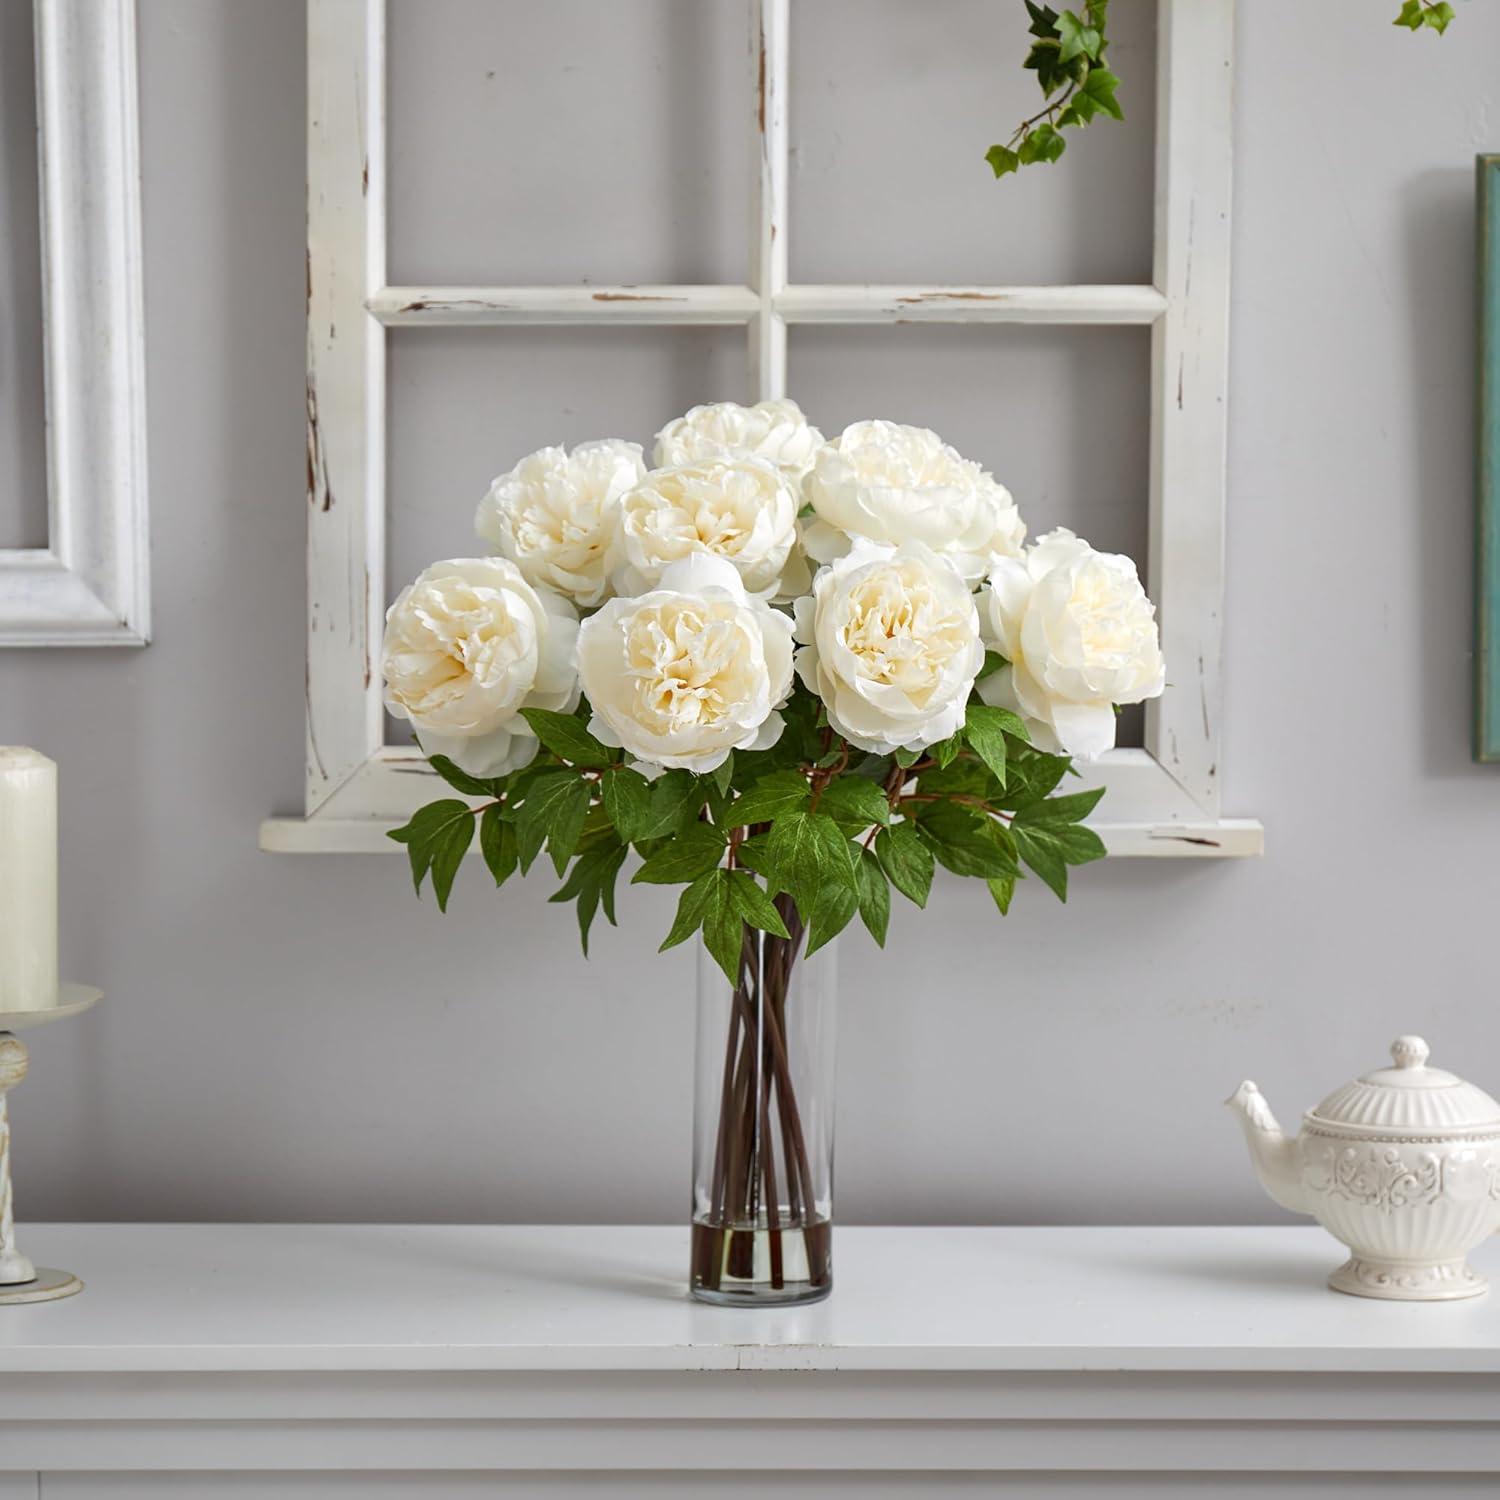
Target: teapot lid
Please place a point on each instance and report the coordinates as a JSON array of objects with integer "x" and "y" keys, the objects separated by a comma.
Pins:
[{"x": 1410, "y": 1096}]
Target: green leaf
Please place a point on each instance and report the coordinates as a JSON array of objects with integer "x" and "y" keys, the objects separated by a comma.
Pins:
[
  {"x": 690, "y": 908},
  {"x": 724, "y": 775},
  {"x": 906, "y": 758},
  {"x": 1002, "y": 160},
  {"x": 1002, "y": 888},
  {"x": 1075, "y": 38},
  {"x": 993, "y": 661},
  {"x": 1041, "y": 144},
  {"x": 945, "y": 752},
  {"x": 553, "y": 813},
  {"x": 985, "y": 729},
  {"x": 752, "y": 904},
  {"x": 592, "y": 881},
  {"x": 1049, "y": 849},
  {"x": 472, "y": 786},
  {"x": 832, "y": 909},
  {"x": 497, "y": 843},
  {"x": 1031, "y": 777},
  {"x": 906, "y": 860},
  {"x": 808, "y": 854},
  {"x": 675, "y": 800},
  {"x": 1098, "y": 94},
  {"x": 874, "y": 895},
  {"x": 565, "y": 736},
  {"x": 1439, "y": 16},
  {"x": 688, "y": 856},
  {"x": 1073, "y": 808},
  {"x": 964, "y": 842},
  {"x": 1411, "y": 15},
  {"x": 855, "y": 802},
  {"x": 1043, "y": 20},
  {"x": 436, "y": 839},
  {"x": 769, "y": 798},
  {"x": 627, "y": 801}
]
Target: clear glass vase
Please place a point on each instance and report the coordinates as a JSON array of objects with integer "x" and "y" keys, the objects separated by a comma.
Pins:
[{"x": 763, "y": 1123}]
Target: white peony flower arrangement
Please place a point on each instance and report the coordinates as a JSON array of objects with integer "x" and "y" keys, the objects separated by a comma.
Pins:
[{"x": 787, "y": 672}]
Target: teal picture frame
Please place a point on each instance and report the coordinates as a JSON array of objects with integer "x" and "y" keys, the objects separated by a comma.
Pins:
[{"x": 1487, "y": 527}]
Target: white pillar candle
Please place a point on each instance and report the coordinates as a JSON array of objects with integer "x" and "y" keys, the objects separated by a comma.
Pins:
[{"x": 28, "y": 880}]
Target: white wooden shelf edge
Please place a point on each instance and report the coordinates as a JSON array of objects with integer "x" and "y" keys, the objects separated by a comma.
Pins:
[{"x": 1222, "y": 838}]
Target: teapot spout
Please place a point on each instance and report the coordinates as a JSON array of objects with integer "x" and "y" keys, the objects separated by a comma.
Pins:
[{"x": 1274, "y": 1156}]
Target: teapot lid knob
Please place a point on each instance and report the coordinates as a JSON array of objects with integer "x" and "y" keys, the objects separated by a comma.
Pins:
[{"x": 1409, "y": 1052}]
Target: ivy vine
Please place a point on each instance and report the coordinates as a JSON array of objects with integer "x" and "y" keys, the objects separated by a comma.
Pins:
[{"x": 1068, "y": 57}]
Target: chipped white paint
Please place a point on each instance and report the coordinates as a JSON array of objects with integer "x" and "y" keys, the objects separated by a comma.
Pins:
[
  {"x": 486, "y": 306},
  {"x": 345, "y": 389},
  {"x": 971, "y": 304},
  {"x": 1162, "y": 801},
  {"x": 89, "y": 585}
]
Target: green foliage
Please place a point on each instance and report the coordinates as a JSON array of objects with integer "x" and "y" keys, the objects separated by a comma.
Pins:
[
  {"x": 811, "y": 824},
  {"x": 1067, "y": 54},
  {"x": 1432, "y": 14}
]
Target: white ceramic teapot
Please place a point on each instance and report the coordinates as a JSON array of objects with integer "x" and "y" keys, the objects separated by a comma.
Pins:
[{"x": 1403, "y": 1166}]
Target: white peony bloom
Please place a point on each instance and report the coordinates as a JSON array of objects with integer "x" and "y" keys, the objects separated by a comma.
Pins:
[
  {"x": 684, "y": 675},
  {"x": 739, "y": 509},
  {"x": 554, "y": 515},
  {"x": 773, "y": 430},
  {"x": 467, "y": 646},
  {"x": 891, "y": 646},
  {"x": 1080, "y": 636},
  {"x": 897, "y": 484}
]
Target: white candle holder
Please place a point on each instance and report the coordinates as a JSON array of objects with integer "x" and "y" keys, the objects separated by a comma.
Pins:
[{"x": 20, "y": 1281}]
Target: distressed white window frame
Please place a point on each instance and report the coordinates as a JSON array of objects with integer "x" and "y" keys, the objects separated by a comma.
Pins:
[
  {"x": 1162, "y": 800},
  {"x": 89, "y": 586}
]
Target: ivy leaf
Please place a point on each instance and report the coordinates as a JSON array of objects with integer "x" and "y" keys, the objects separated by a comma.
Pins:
[
  {"x": 436, "y": 839},
  {"x": 874, "y": 896},
  {"x": 1098, "y": 94},
  {"x": 1439, "y": 16},
  {"x": 855, "y": 802},
  {"x": 688, "y": 856},
  {"x": 1076, "y": 38},
  {"x": 459, "y": 780},
  {"x": 906, "y": 860},
  {"x": 1002, "y": 160},
  {"x": 752, "y": 905},
  {"x": 497, "y": 843},
  {"x": 627, "y": 801},
  {"x": 1041, "y": 143},
  {"x": 1411, "y": 15},
  {"x": 1043, "y": 20},
  {"x": 769, "y": 798},
  {"x": 566, "y": 736}
]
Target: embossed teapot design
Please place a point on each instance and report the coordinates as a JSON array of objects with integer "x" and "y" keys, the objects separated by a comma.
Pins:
[{"x": 1402, "y": 1165}]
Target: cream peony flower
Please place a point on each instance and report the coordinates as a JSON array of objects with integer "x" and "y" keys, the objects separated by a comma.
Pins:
[
  {"x": 554, "y": 515},
  {"x": 1080, "y": 636},
  {"x": 773, "y": 430},
  {"x": 467, "y": 646},
  {"x": 891, "y": 646},
  {"x": 690, "y": 672},
  {"x": 896, "y": 484},
  {"x": 740, "y": 509}
]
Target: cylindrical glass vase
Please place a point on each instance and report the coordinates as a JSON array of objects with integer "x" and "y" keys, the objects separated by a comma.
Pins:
[{"x": 763, "y": 1123}]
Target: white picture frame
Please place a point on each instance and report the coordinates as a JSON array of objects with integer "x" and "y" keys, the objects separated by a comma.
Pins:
[
  {"x": 90, "y": 585},
  {"x": 1163, "y": 800}
]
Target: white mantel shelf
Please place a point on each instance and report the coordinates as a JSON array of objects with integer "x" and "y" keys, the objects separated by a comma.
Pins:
[{"x": 426, "y": 1351}]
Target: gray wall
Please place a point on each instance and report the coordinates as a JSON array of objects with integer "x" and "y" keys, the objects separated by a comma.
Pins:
[{"x": 297, "y": 1037}]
